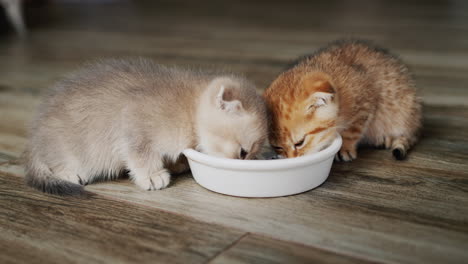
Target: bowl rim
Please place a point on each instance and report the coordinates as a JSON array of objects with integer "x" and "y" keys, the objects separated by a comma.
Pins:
[{"x": 265, "y": 165}]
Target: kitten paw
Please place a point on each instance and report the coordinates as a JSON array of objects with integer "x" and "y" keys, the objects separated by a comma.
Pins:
[
  {"x": 156, "y": 181},
  {"x": 82, "y": 181},
  {"x": 346, "y": 155}
]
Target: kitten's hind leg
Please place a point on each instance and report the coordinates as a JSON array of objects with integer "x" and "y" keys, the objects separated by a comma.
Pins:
[
  {"x": 43, "y": 178},
  {"x": 147, "y": 170}
]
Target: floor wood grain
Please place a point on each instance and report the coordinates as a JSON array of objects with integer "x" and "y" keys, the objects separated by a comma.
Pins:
[
  {"x": 258, "y": 249},
  {"x": 47, "y": 229},
  {"x": 372, "y": 209}
]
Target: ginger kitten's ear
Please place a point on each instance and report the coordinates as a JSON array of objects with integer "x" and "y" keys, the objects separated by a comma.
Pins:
[
  {"x": 320, "y": 90},
  {"x": 226, "y": 102},
  {"x": 320, "y": 98},
  {"x": 317, "y": 82}
]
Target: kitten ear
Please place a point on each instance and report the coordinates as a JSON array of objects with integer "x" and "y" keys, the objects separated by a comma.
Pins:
[
  {"x": 321, "y": 98},
  {"x": 317, "y": 82},
  {"x": 226, "y": 102},
  {"x": 322, "y": 90}
]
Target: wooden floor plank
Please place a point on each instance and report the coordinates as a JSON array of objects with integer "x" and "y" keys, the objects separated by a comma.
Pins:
[
  {"x": 339, "y": 222},
  {"x": 259, "y": 62},
  {"x": 38, "y": 228},
  {"x": 259, "y": 249}
]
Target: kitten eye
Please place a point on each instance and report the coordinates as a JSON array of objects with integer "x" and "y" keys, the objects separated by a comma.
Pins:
[
  {"x": 277, "y": 148},
  {"x": 299, "y": 143},
  {"x": 243, "y": 153}
]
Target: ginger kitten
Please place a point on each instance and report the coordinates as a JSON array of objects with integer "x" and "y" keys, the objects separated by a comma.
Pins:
[
  {"x": 138, "y": 116},
  {"x": 350, "y": 87}
]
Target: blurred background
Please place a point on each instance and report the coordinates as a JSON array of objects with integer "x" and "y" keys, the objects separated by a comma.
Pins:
[{"x": 255, "y": 38}]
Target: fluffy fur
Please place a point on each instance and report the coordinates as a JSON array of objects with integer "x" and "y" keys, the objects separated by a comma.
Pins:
[
  {"x": 138, "y": 116},
  {"x": 351, "y": 87}
]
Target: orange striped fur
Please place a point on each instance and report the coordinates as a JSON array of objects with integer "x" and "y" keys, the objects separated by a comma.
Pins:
[{"x": 351, "y": 88}]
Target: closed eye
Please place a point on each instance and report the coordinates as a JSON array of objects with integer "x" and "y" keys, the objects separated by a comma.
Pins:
[
  {"x": 300, "y": 143},
  {"x": 277, "y": 148}
]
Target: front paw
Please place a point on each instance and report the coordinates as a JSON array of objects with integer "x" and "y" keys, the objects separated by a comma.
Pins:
[
  {"x": 346, "y": 154},
  {"x": 156, "y": 181}
]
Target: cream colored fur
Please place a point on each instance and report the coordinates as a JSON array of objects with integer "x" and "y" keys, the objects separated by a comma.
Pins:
[{"x": 138, "y": 116}]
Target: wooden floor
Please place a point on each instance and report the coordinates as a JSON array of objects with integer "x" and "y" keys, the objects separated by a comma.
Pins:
[{"x": 374, "y": 209}]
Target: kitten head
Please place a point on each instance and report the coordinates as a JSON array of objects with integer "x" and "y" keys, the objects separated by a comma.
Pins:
[
  {"x": 231, "y": 119},
  {"x": 304, "y": 112}
]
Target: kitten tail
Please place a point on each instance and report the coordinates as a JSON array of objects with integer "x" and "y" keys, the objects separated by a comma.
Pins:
[
  {"x": 400, "y": 148},
  {"x": 42, "y": 179}
]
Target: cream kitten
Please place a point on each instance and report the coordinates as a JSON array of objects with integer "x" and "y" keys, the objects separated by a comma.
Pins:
[{"x": 138, "y": 116}]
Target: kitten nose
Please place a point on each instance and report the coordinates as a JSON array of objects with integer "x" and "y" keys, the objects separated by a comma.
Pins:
[
  {"x": 243, "y": 154},
  {"x": 292, "y": 154}
]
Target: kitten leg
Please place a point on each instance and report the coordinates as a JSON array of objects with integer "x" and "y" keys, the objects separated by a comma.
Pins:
[
  {"x": 348, "y": 151},
  {"x": 61, "y": 180},
  {"x": 179, "y": 166},
  {"x": 388, "y": 142},
  {"x": 351, "y": 137},
  {"x": 67, "y": 167},
  {"x": 147, "y": 171},
  {"x": 399, "y": 145}
]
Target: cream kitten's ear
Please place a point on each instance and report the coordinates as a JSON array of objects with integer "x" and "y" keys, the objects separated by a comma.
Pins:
[{"x": 226, "y": 102}]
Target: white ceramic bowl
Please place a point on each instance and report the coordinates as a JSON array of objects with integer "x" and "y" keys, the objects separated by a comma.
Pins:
[{"x": 262, "y": 178}]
